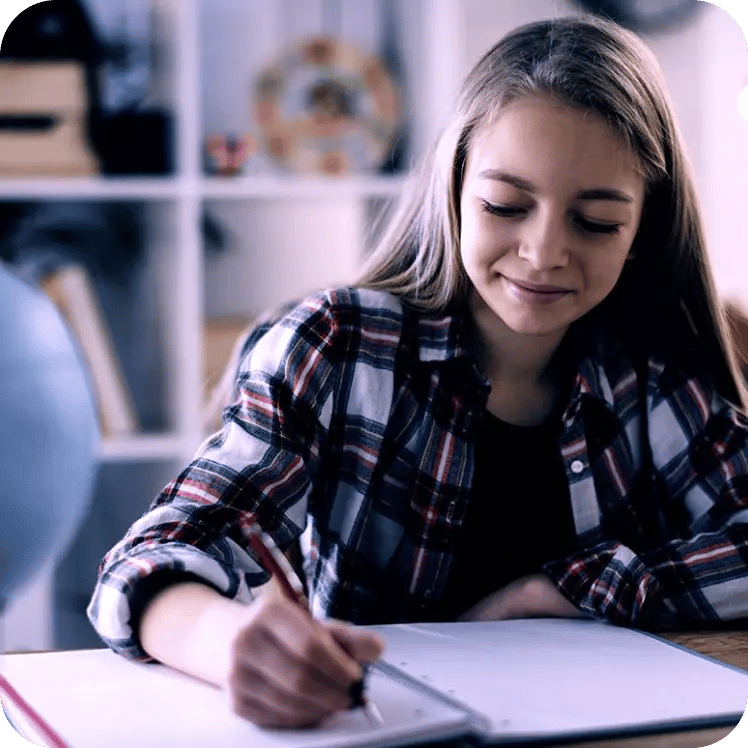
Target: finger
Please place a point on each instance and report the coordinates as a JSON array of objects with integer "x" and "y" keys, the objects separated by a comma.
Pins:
[
  {"x": 364, "y": 646},
  {"x": 284, "y": 646},
  {"x": 259, "y": 702},
  {"x": 261, "y": 663},
  {"x": 307, "y": 641}
]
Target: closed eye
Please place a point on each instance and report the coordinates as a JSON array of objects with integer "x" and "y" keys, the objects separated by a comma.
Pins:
[
  {"x": 507, "y": 211},
  {"x": 596, "y": 227},
  {"x": 585, "y": 224}
]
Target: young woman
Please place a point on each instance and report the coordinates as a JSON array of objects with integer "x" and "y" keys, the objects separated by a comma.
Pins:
[{"x": 527, "y": 406}]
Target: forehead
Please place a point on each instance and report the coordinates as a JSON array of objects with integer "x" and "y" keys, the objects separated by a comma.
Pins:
[{"x": 538, "y": 135}]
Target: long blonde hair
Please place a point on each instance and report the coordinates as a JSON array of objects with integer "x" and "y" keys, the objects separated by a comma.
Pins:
[{"x": 666, "y": 296}]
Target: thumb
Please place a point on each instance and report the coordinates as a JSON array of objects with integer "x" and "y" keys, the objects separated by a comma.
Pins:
[{"x": 362, "y": 645}]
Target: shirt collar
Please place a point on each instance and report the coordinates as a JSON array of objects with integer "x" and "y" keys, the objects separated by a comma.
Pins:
[
  {"x": 601, "y": 351},
  {"x": 446, "y": 336}
]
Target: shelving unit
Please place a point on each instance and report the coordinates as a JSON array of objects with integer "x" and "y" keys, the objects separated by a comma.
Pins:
[{"x": 189, "y": 285}]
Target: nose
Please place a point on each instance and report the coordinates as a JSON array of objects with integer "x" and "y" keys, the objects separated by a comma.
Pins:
[{"x": 544, "y": 242}]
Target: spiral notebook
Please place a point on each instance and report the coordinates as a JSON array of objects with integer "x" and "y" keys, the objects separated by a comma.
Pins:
[{"x": 511, "y": 681}]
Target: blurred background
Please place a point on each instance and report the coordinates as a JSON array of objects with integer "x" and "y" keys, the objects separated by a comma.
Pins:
[{"x": 171, "y": 168}]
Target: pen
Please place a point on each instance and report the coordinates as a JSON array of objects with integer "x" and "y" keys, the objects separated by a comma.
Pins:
[
  {"x": 279, "y": 567},
  {"x": 33, "y": 717}
]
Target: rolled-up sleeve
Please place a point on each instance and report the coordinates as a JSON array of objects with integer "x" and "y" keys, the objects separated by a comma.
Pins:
[
  {"x": 698, "y": 575},
  {"x": 255, "y": 469}
]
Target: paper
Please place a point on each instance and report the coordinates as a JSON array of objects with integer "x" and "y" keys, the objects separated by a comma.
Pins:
[
  {"x": 566, "y": 677},
  {"x": 95, "y": 698},
  {"x": 532, "y": 679}
]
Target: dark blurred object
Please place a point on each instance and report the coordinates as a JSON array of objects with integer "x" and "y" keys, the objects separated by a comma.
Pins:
[
  {"x": 136, "y": 142},
  {"x": 109, "y": 240},
  {"x": 59, "y": 30},
  {"x": 396, "y": 159},
  {"x": 649, "y": 16},
  {"x": 130, "y": 141},
  {"x": 53, "y": 30},
  {"x": 106, "y": 237},
  {"x": 215, "y": 238}
]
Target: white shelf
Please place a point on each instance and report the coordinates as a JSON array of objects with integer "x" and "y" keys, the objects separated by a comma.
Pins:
[
  {"x": 228, "y": 188},
  {"x": 90, "y": 188},
  {"x": 212, "y": 188},
  {"x": 146, "y": 447}
]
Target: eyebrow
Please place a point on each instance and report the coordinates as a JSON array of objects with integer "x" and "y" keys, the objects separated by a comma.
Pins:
[{"x": 599, "y": 193}]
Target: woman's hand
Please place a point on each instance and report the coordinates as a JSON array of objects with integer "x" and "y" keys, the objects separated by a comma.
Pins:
[
  {"x": 532, "y": 596},
  {"x": 288, "y": 670},
  {"x": 280, "y": 667}
]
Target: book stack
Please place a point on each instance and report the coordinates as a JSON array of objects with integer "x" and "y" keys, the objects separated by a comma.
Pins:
[{"x": 72, "y": 291}]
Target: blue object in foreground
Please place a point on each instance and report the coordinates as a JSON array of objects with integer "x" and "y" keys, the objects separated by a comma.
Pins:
[{"x": 48, "y": 435}]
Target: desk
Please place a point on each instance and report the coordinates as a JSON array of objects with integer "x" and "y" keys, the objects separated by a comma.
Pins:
[{"x": 727, "y": 646}]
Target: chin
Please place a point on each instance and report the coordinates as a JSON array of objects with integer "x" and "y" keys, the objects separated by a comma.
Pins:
[
  {"x": 537, "y": 325},
  {"x": 539, "y": 331}
]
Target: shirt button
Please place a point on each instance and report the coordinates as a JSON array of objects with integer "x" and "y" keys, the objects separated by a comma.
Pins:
[{"x": 577, "y": 466}]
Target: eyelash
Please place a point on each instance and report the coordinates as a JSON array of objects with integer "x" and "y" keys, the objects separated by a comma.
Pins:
[{"x": 591, "y": 227}]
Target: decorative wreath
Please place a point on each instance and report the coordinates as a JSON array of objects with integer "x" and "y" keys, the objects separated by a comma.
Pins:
[
  {"x": 327, "y": 107},
  {"x": 643, "y": 15}
]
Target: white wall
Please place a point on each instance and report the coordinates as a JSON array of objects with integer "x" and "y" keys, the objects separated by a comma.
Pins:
[
  {"x": 484, "y": 22},
  {"x": 281, "y": 250},
  {"x": 724, "y": 144}
]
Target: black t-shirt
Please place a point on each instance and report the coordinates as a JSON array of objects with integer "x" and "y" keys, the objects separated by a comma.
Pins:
[{"x": 519, "y": 515}]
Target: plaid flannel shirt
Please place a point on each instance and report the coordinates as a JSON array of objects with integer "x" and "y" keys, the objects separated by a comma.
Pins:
[{"x": 351, "y": 429}]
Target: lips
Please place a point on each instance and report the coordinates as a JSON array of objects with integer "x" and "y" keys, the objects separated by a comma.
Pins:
[
  {"x": 535, "y": 293},
  {"x": 536, "y": 288}
]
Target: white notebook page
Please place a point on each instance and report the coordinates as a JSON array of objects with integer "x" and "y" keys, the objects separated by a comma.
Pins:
[
  {"x": 557, "y": 676},
  {"x": 94, "y": 698}
]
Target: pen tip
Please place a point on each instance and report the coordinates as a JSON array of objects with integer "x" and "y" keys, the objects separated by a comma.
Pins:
[{"x": 374, "y": 715}]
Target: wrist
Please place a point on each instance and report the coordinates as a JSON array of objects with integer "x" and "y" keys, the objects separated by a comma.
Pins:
[
  {"x": 191, "y": 627},
  {"x": 544, "y": 598}
]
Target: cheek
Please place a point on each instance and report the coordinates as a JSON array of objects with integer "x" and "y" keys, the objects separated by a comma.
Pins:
[
  {"x": 603, "y": 274},
  {"x": 480, "y": 241},
  {"x": 467, "y": 246}
]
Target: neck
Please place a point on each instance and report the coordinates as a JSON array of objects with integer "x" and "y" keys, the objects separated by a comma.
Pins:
[{"x": 511, "y": 357}]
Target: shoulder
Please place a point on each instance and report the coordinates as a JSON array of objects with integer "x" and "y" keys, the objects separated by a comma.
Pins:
[
  {"x": 346, "y": 312},
  {"x": 673, "y": 389},
  {"x": 688, "y": 393},
  {"x": 334, "y": 321},
  {"x": 344, "y": 306}
]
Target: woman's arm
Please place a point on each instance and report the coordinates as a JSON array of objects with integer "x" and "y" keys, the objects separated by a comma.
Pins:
[
  {"x": 532, "y": 596},
  {"x": 280, "y": 667},
  {"x": 262, "y": 458},
  {"x": 191, "y": 627},
  {"x": 696, "y": 573}
]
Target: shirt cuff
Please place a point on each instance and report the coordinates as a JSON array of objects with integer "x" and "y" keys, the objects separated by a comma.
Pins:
[{"x": 610, "y": 582}]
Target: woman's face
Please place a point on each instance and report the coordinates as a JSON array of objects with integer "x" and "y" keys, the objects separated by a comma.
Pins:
[{"x": 551, "y": 203}]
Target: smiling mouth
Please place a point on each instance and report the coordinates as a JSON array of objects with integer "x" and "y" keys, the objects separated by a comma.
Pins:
[
  {"x": 536, "y": 294},
  {"x": 539, "y": 289}
]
